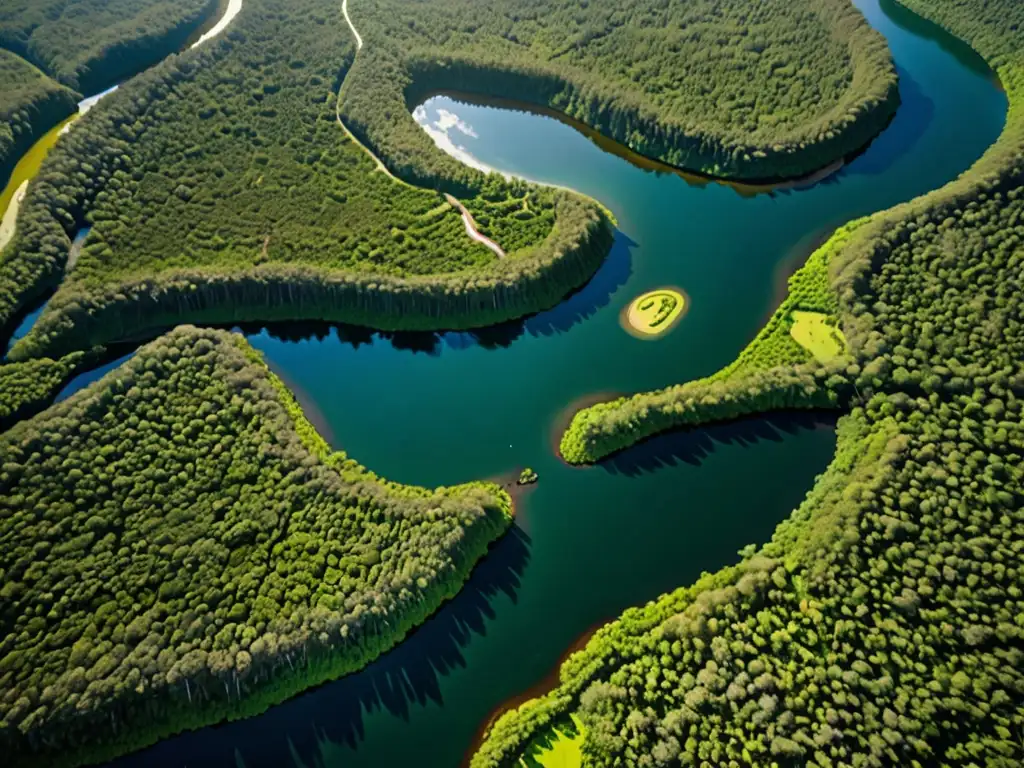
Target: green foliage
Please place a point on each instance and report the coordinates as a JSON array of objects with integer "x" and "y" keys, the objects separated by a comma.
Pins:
[
  {"x": 178, "y": 546},
  {"x": 30, "y": 104},
  {"x": 26, "y": 388},
  {"x": 756, "y": 91},
  {"x": 220, "y": 187},
  {"x": 89, "y": 45},
  {"x": 762, "y": 377},
  {"x": 882, "y": 625}
]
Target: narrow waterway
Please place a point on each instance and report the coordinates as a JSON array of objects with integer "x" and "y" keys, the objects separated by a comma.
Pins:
[{"x": 437, "y": 409}]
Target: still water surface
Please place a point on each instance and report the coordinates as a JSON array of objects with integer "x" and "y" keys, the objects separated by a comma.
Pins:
[{"x": 437, "y": 409}]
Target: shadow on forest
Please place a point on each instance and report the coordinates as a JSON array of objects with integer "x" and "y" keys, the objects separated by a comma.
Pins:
[
  {"x": 693, "y": 446},
  {"x": 575, "y": 308},
  {"x": 909, "y": 126},
  {"x": 907, "y": 20},
  {"x": 21, "y": 322},
  {"x": 298, "y": 731}
]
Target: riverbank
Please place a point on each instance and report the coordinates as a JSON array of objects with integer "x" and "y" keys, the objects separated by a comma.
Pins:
[{"x": 744, "y": 188}]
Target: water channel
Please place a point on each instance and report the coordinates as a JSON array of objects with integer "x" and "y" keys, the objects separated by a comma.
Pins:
[{"x": 437, "y": 409}]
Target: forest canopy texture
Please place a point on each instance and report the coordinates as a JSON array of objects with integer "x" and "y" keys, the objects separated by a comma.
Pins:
[
  {"x": 221, "y": 187},
  {"x": 30, "y": 104},
  {"x": 883, "y": 624},
  {"x": 745, "y": 90},
  {"x": 52, "y": 52},
  {"x": 89, "y": 45},
  {"x": 178, "y": 545}
]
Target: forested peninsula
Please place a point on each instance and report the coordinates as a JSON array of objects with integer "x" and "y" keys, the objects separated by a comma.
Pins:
[
  {"x": 229, "y": 165},
  {"x": 882, "y": 623},
  {"x": 729, "y": 88},
  {"x": 179, "y": 546}
]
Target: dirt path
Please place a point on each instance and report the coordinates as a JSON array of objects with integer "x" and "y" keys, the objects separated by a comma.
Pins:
[
  {"x": 234, "y": 6},
  {"x": 337, "y": 105},
  {"x": 467, "y": 217},
  {"x": 471, "y": 230}
]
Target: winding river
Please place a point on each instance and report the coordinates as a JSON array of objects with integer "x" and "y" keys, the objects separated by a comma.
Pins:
[{"x": 438, "y": 409}]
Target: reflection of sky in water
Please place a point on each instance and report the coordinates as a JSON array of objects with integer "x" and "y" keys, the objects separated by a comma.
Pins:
[{"x": 440, "y": 130}]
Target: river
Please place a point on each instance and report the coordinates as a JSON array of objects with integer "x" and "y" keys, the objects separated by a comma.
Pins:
[{"x": 444, "y": 408}]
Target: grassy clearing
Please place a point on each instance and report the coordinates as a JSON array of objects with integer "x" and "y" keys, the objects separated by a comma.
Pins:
[
  {"x": 812, "y": 331},
  {"x": 560, "y": 749},
  {"x": 655, "y": 312}
]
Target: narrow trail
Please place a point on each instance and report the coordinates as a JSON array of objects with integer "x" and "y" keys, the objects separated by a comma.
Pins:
[
  {"x": 467, "y": 217},
  {"x": 471, "y": 230}
]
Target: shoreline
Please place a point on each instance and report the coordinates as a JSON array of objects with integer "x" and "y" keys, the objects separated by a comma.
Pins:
[
  {"x": 743, "y": 187},
  {"x": 542, "y": 687},
  {"x": 564, "y": 418},
  {"x": 7, "y": 224}
]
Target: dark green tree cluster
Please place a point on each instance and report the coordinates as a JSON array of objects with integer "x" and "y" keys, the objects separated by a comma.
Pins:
[
  {"x": 89, "y": 45},
  {"x": 30, "y": 105},
  {"x": 884, "y": 623},
  {"x": 27, "y": 388},
  {"x": 178, "y": 545},
  {"x": 220, "y": 187},
  {"x": 766, "y": 90}
]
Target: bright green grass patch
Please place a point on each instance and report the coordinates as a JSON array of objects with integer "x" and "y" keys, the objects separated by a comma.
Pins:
[
  {"x": 563, "y": 749},
  {"x": 812, "y": 331},
  {"x": 29, "y": 164},
  {"x": 655, "y": 312}
]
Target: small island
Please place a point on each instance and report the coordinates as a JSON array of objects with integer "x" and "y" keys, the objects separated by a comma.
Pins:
[
  {"x": 527, "y": 477},
  {"x": 654, "y": 313}
]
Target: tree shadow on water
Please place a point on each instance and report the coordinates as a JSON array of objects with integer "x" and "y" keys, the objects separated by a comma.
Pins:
[
  {"x": 693, "y": 446},
  {"x": 574, "y": 308},
  {"x": 910, "y": 124},
  {"x": 296, "y": 732}
]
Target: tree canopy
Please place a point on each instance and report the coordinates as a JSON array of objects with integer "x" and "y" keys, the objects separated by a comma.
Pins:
[
  {"x": 178, "y": 545},
  {"x": 882, "y": 624},
  {"x": 726, "y": 87},
  {"x": 221, "y": 187}
]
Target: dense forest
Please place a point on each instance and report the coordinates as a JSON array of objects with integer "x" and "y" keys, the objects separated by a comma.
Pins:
[
  {"x": 54, "y": 51},
  {"x": 882, "y": 624},
  {"x": 178, "y": 546},
  {"x": 30, "y": 105},
  {"x": 220, "y": 187},
  {"x": 725, "y": 87},
  {"x": 89, "y": 45},
  {"x": 27, "y": 388}
]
